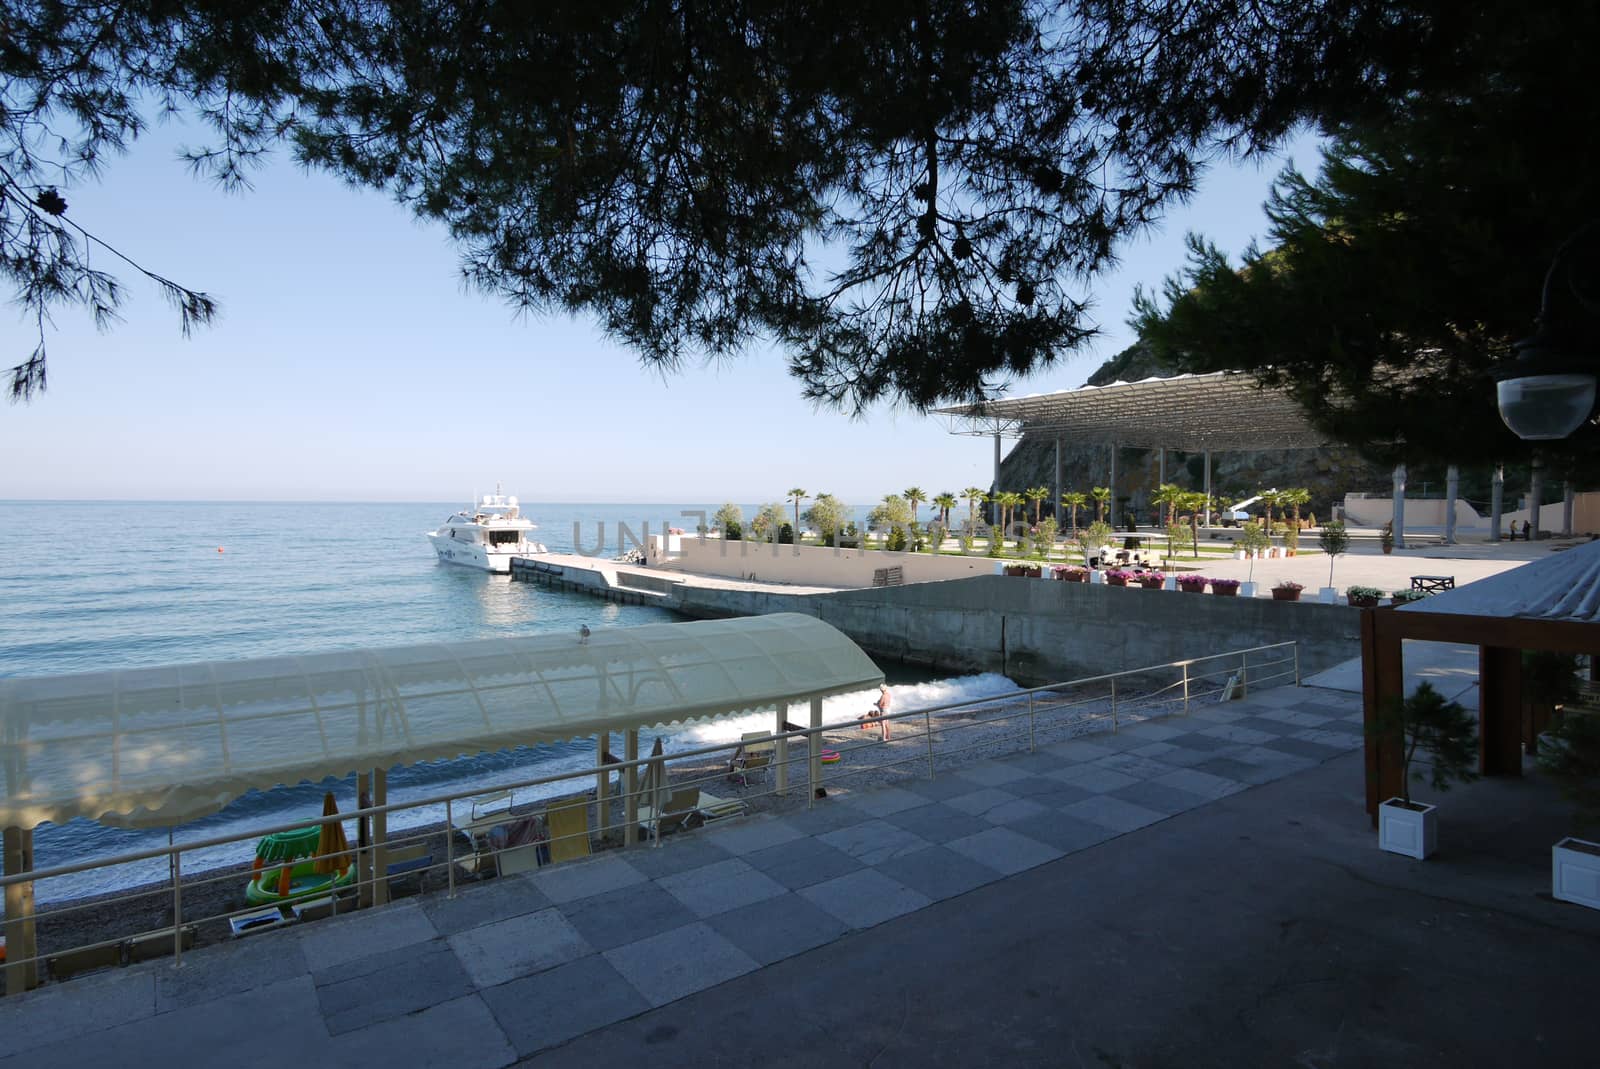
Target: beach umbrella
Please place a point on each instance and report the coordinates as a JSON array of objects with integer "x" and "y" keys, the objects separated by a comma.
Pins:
[
  {"x": 655, "y": 778},
  {"x": 333, "y": 849}
]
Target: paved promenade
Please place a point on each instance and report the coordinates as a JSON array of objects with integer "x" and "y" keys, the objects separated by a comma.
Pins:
[{"x": 1193, "y": 891}]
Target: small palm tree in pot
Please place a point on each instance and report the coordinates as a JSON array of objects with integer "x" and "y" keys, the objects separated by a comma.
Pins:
[{"x": 1446, "y": 733}]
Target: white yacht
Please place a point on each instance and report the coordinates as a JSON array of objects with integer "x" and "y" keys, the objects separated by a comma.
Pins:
[{"x": 486, "y": 535}]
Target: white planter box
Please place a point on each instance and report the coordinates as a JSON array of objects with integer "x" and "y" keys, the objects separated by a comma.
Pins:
[
  {"x": 1412, "y": 831},
  {"x": 1097, "y": 577},
  {"x": 1247, "y": 590},
  {"x": 1238, "y": 554},
  {"x": 1575, "y": 872},
  {"x": 1169, "y": 583},
  {"x": 1328, "y": 595}
]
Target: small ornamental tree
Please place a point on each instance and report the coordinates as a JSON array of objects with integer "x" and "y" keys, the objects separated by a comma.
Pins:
[
  {"x": 1072, "y": 502},
  {"x": 827, "y": 516},
  {"x": 1569, "y": 753},
  {"x": 1442, "y": 729},
  {"x": 1252, "y": 540},
  {"x": 1334, "y": 540},
  {"x": 730, "y": 519}
]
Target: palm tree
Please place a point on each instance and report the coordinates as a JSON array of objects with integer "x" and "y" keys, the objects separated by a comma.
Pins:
[
  {"x": 1167, "y": 494},
  {"x": 975, "y": 496},
  {"x": 1271, "y": 499},
  {"x": 1192, "y": 501},
  {"x": 797, "y": 495},
  {"x": 944, "y": 503},
  {"x": 916, "y": 495},
  {"x": 1036, "y": 494},
  {"x": 1294, "y": 498},
  {"x": 1074, "y": 501},
  {"x": 1101, "y": 495},
  {"x": 1008, "y": 501}
]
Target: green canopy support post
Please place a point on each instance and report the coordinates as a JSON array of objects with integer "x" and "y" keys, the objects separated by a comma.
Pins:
[
  {"x": 814, "y": 746},
  {"x": 22, "y": 972}
]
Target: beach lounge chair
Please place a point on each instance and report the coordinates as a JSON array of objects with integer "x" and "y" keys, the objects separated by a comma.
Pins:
[
  {"x": 752, "y": 757},
  {"x": 712, "y": 808},
  {"x": 677, "y": 809},
  {"x": 569, "y": 830},
  {"x": 156, "y": 944},
  {"x": 73, "y": 962}
]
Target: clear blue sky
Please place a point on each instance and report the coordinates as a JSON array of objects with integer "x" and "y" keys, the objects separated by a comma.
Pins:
[{"x": 350, "y": 363}]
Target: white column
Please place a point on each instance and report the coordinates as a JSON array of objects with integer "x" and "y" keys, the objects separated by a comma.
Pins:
[
  {"x": 1208, "y": 487},
  {"x": 1497, "y": 500},
  {"x": 602, "y": 787},
  {"x": 1399, "y": 506},
  {"x": 630, "y": 785},
  {"x": 1111, "y": 506},
  {"x": 1568, "y": 495},
  {"x": 380, "y": 838},
  {"x": 994, "y": 510},
  {"x": 1535, "y": 496},
  {"x": 1452, "y": 488},
  {"x": 20, "y": 941},
  {"x": 1161, "y": 466},
  {"x": 1060, "y": 483},
  {"x": 814, "y": 746},
  {"x": 780, "y": 754}
]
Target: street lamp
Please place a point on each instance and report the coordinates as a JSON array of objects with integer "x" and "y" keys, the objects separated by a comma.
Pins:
[{"x": 1548, "y": 391}]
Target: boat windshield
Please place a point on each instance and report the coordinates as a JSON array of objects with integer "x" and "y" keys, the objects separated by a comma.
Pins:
[{"x": 504, "y": 538}]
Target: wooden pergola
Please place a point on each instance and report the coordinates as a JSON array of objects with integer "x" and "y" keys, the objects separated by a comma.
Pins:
[{"x": 1552, "y": 604}]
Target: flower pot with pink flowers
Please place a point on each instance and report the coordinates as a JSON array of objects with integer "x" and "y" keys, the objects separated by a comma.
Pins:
[
  {"x": 1227, "y": 588},
  {"x": 1192, "y": 584},
  {"x": 1071, "y": 575},
  {"x": 1287, "y": 591},
  {"x": 1118, "y": 577},
  {"x": 1152, "y": 580}
]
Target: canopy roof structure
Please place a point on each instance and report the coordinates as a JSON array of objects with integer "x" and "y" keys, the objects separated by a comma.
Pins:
[
  {"x": 1562, "y": 587},
  {"x": 1223, "y": 410},
  {"x": 160, "y": 746}
]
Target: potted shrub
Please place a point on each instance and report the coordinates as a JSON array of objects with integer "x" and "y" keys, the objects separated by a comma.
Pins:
[
  {"x": 1072, "y": 575},
  {"x": 1401, "y": 597},
  {"x": 1291, "y": 540},
  {"x": 1152, "y": 580},
  {"x": 1446, "y": 732},
  {"x": 1363, "y": 597},
  {"x": 1225, "y": 587},
  {"x": 1334, "y": 540},
  {"x": 1287, "y": 591},
  {"x": 1192, "y": 584},
  {"x": 1569, "y": 754},
  {"x": 1118, "y": 577},
  {"x": 1386, "y": 538}
]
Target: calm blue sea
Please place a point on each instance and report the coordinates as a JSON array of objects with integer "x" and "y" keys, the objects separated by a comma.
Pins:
[{"x": 95, "y": 585}]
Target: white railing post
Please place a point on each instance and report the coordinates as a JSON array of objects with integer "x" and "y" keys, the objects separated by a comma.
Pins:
[
  {"x": 1113, "y": 705},
  {"x": 1186, "y": 688},
  {"x": 927, "y": 733},
  {"x": 1030, "y": 721},
  {"x": 1244, "y": 675},
  {"x": 1296, "y": 648},
  {"x": 177, "y": 902}
]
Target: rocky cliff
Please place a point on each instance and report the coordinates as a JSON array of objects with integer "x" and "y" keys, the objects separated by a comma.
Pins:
[{"x": 1328, "y": 472}]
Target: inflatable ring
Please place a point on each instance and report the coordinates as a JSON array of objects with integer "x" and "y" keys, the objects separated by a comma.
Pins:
[{"x": 830, "y": 757}]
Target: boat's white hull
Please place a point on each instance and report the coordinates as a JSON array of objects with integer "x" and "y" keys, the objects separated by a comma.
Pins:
[{"x": 471, "y": 555}]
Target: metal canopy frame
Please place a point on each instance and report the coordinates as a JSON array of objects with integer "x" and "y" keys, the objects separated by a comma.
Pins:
[{"x": 1224, "y": 410}]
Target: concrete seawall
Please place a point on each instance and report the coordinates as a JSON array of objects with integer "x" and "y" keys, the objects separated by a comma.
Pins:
[{"x": 1033, "y": 630}]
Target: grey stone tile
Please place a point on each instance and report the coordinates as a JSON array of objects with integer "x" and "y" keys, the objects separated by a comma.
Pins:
[
  {"x": 214, "y": 972},
  {"x": 827, "y": 814},
  {"x": 992, "y": 773},
  {"x": 979, "y": 802},
  {"x": 938, "y": 823},
  {"x": 1017, "y": 809},
  {"x": 1153, "y": 730},
  {"x": 580, "y": 879},
  {"x": 886, "y": 800},
  {"x": 938, "y": 872},
  {"x": 1114, "y": 813},
  {"x": 805, "y": 861},
  {"x": 87, "y": 1004},
  {"x": 1268, "y": 725},
  {"x": 1295, "y": 716},
  {"x": 1064, "y": 795},
  {"x": 874, "y": 842},
  {"x": 1316, "y": 751},
  {"x": 1094, "y": 778},
  {"x": 745, "y": 836},
  {"x": 460, "y": 1033},
  {"x": 1263, "y": 765},
  {"x": 945, "y": 786},
  {"x": 666, "y": 967},
  {"x": 1035, "y": 785},
  {"x": 677, "y": 853},
  {"x": 1276, "y": 697},
  {"x": 518, "y": 946},
  {"x": 1235, "y": 733},
  {"x": 1216, "y": 714},
  {"x": 721, "y": 887},
  {"x": 1160, "y": 797},
  {"x": 1228, "y": 768},
  {"x": 1204, "y": 743},
  {"x": 778, "y": 928},
  {"x": 1130, "y": 764},
  {"x": 624, "y": 915},
  {"x": 866, "y": 898},
  {"x": 1344, "y": 740},
  {"x": 1082, "y": 749},
  {"x": 1005, "y": 850},
  {"x": 546, "y": 1010},
  {"x": 1064, "y": 833},
  {"x": 1200, "y": 782},
  {"x": 483, "y": 903},
  {"x": 287, "y": 1011},
  {"x": 388, "y": 985},
  {"x": 1036, "y": 763},
  {"x": 340, "y": 939}
]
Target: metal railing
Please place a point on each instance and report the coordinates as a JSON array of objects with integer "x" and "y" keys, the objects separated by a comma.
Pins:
[{"x": 944, "y": 735}]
